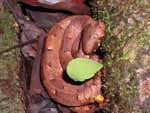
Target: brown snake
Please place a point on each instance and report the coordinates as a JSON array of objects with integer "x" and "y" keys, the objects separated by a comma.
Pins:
[{"x": 75, "y": 36}]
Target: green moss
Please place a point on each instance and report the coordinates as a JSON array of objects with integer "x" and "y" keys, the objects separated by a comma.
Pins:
[
  {"x": 125, "y": 56},
  {"x": 8, "y": 31},
  {"x": 10, "y": 98},
  {"x": 127, "y": 33}
]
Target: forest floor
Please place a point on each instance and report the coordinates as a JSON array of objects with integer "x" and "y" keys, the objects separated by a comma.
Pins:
[
  {"x": 10, "y": 91},
  {"x": 128, "y": 17},
  {"x": 127, "y": 46}
]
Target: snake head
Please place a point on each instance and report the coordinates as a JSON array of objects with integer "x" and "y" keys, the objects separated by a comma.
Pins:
[{"x": 92, "y": 36}]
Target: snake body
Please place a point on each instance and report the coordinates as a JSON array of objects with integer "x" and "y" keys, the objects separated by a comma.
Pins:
[{"x": 75, "y": 36}]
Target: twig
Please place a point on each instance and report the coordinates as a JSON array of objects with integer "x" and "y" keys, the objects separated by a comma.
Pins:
[
  {"x": 18, "y": 17},
  {"x": 18, "y": 46},
  {"x": 20, "y": 20}
]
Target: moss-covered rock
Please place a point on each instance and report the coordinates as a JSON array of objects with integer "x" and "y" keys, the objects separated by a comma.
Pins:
[{"x": 127, "y": 59}]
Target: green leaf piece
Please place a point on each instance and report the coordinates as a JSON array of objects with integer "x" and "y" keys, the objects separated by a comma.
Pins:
[{"x": 81, "y": 69}]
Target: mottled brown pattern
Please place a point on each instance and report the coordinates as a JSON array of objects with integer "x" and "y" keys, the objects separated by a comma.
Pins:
[{"x": 58, "y": 52}]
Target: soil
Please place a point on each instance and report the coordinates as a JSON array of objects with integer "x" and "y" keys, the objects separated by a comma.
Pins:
[
  {"x": 10, "y": 90},
  {"x": 127, "y": 58}
]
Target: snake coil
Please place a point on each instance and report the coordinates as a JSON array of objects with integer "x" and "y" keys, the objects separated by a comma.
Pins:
[{"x": 75, "y": 36}]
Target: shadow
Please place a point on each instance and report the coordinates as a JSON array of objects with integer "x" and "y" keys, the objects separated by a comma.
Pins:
[
  {"x": 67, "y": 79},
  {"x": 103, "y": 111},
  {"x": 101, "y": 52}
]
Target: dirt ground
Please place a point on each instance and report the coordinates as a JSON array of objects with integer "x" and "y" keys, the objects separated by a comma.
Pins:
[
  {"x": 127, "y": 46},
  {"x": 10, "y": 91}
]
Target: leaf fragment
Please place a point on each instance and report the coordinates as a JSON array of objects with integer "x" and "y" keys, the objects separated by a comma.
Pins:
[{"x": 81, "y": 69}]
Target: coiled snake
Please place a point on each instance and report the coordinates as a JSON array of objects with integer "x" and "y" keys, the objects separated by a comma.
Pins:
[{"x": 75, "y": 36}]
